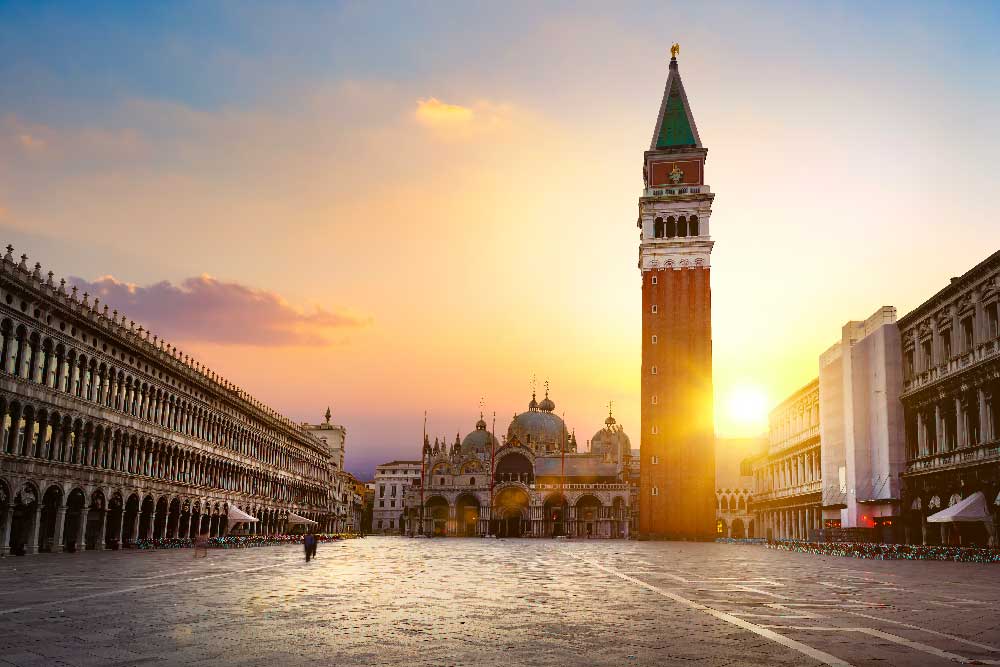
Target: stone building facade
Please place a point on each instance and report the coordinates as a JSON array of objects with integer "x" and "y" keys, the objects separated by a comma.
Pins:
[
  {"x": 861, "y": 427},
  {"x": 734, "y": 484},
  {"x": 334, "y": 438},
  {"x": 108, "y": 434},
  {"x": 532, "y": 484},
  {"x": 788, "y": 475},
  {"x": 392, "y": 480},
  {"x": 951, "y": 403},
  {"x": 677, "y": 441}
]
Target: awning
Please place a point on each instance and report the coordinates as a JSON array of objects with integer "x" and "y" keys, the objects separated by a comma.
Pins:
[
  {"x": 237, "y": 515},
  {"x": 294, "y": 518},
  {"x": 972, "y": 508}
]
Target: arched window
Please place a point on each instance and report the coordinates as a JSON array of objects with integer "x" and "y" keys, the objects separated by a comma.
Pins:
[
  {"x": 693, "y": 226},
  {"x": 658, "y": 228},
  {"x": 682, "y": 229},
  {"x": 442, "y": 481},
  {"x": 472, "y": 481},
  {"x": 671, "y": 227}
]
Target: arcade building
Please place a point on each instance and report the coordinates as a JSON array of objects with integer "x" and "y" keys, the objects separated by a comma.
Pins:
[{"x": 532, "y": 483}]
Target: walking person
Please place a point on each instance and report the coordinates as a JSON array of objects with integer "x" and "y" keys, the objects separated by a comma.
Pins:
[{"x": 309, "y": 545}]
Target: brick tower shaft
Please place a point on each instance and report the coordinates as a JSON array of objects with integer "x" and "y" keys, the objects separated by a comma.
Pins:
[{"x": 677, "y": 464}]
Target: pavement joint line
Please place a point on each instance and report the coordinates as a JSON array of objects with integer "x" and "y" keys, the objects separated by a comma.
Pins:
[
  {"x": 766, "y": 633},
  {"x": 932, "y": 632},
  {"x": 896, "y": 639},
  {"x": 132, "y": 589}
]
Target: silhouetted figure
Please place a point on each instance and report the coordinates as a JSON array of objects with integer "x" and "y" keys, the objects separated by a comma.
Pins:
[{"x": 309, "y": 544}]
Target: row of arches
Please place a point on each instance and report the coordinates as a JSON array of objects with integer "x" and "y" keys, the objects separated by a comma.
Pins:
[
  {"x": 31, "y": 356},
  {"x": 672, "y": 227},
  {"x": 514, "y": 513},
  {"x": 27, "y": 430},
  {"x": 32, "y": 521}
]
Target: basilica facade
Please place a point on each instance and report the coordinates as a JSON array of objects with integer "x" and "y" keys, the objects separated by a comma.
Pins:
[
  {"x": 531, "y": 483},
  {"x": 110, "y": 436}
]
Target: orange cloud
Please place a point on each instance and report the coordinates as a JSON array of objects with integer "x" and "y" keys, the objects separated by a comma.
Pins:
[
  {"x": 433, "y": 111},
  {"x": 206, "y": 309}
]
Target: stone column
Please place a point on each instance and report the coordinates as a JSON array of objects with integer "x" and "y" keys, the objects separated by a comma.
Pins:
[
  {"x": 31, "y": 544},
  {"x": 57, "y": 538},
  {"x": 921, "y": 434},
  {"x": 961, "y": 434},
  {"x": 81, "y": 533},
  {"x": 985, "y": 423},
  {"x": 939, "y": 433},
  {"x": 151, "y": 528},
  {"x": 808, "y": 519},
  {"x": 99, "y": 545},
  {"x": 5, "y": 532}
]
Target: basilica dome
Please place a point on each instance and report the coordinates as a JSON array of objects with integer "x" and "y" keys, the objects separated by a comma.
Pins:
[
  {"x": 611, "y": 441},
  {"x": 539, "y": 428},
  {"x": 479, "y": 441}
]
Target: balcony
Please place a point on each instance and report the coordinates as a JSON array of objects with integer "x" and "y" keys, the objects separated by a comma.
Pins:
[
  {"x": 676, "y": 190},
  {"x": 794, "y": 440},
  {"x": 960, "y": 457},
  {"x": 815, "y": 486},
  {"x": 982, "y": 352}
]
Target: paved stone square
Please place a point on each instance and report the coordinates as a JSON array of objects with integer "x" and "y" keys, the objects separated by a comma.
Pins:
[{"x": 401, "y": 601}]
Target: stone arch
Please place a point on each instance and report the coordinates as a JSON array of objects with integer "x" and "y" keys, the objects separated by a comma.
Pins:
[
  {"x": 556, "y": 512},
  {"x": 588, "y": 513},
  {"x": 515, "y": 467},
  {"x": 467, "y": 513},
  {"x": 510, "y": 512},
  {"x": 737, "y": 531},
  {"x": 52, "y": 505}
]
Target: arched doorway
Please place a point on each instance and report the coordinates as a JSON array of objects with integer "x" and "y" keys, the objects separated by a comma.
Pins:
[
  {"x": 174, "y": 518},
  {"x": 73, "y": 527},
  {"x": 736, "y": 531},
  {"x": 721, "y": 528},
  {"x": 467, "y": 514},
  {"x": 96, "y": 521},
  {"x": 51, "y": 502},
  {"x": 25, "y": 509},
  {"x": 5, "y": 500},
  {"x": 588, "y": 515},
  {"x": 510, "y": 512},
  {"x": 160, "y": 518},
  {"x": 146, "y": 518},
  {"x": 131, "y": 518},
  {"x": 437, "y": 512},
  {"x": 556, "y": 511}
]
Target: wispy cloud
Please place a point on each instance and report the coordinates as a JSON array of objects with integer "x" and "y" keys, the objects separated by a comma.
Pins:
[
  {"x": 206, "y": 309},
  {"x": 433, "y": 111}
]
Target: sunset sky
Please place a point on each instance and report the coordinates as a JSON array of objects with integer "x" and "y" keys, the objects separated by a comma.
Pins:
[{"x": 390, "y": 208}]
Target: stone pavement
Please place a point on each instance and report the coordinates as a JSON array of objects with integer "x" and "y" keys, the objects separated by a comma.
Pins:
[{"x": 400, "y": 601}]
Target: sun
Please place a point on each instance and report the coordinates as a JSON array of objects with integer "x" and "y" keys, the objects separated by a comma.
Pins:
[{"x": 746, "y": 405}]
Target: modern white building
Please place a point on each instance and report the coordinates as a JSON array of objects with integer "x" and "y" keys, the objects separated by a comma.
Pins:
[
  {"x": 861, "y": 425},
  {"x": 391, "y": 481}
]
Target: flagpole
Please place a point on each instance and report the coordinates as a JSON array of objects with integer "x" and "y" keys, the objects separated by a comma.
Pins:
[
  {"x": 493, "y": 460},
  {"x": 423, "y": 458}
]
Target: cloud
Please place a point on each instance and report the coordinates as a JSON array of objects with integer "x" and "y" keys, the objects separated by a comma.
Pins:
[
  {"x": 433, "y": 111},
  {"x": 206, "y": 309}
]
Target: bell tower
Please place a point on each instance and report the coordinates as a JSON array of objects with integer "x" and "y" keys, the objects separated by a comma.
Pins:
[{"x": 677, "y": 445}]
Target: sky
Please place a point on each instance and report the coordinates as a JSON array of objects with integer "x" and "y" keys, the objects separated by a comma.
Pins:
[{"x": 389, "y": 208}]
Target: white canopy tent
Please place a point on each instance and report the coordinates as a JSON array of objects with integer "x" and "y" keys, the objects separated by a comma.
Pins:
[
  {"x": 236, "y": 515},
  {"x": 294, "y": 519},
  {"x": 972, "y": 508}
]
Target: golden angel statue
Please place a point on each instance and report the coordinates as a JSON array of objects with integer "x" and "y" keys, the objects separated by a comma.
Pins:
[{"x": 675, "y": 49}]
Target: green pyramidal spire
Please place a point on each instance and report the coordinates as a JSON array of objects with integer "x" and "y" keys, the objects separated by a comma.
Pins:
[{"x": 675, "y": 127}]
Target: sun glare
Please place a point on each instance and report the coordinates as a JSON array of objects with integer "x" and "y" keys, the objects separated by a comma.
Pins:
[{"x": 747, "y": 405}]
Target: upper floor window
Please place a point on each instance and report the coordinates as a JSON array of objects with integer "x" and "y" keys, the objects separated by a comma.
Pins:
[
  {"x": 654, "y": 459},
  {"x": 908, "y": 363},
  {"x": 946, "y": 344},
  {"x": 653, "y": 280},
  {"x": 992, "y": 320},
  {"x": 653, "y": 339},
  {"x": 654, "y": 309},
  {"x": 925, "y": 354},
  {"x": 968, "y": 339},
  {"x": 653, "y": 370}
]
